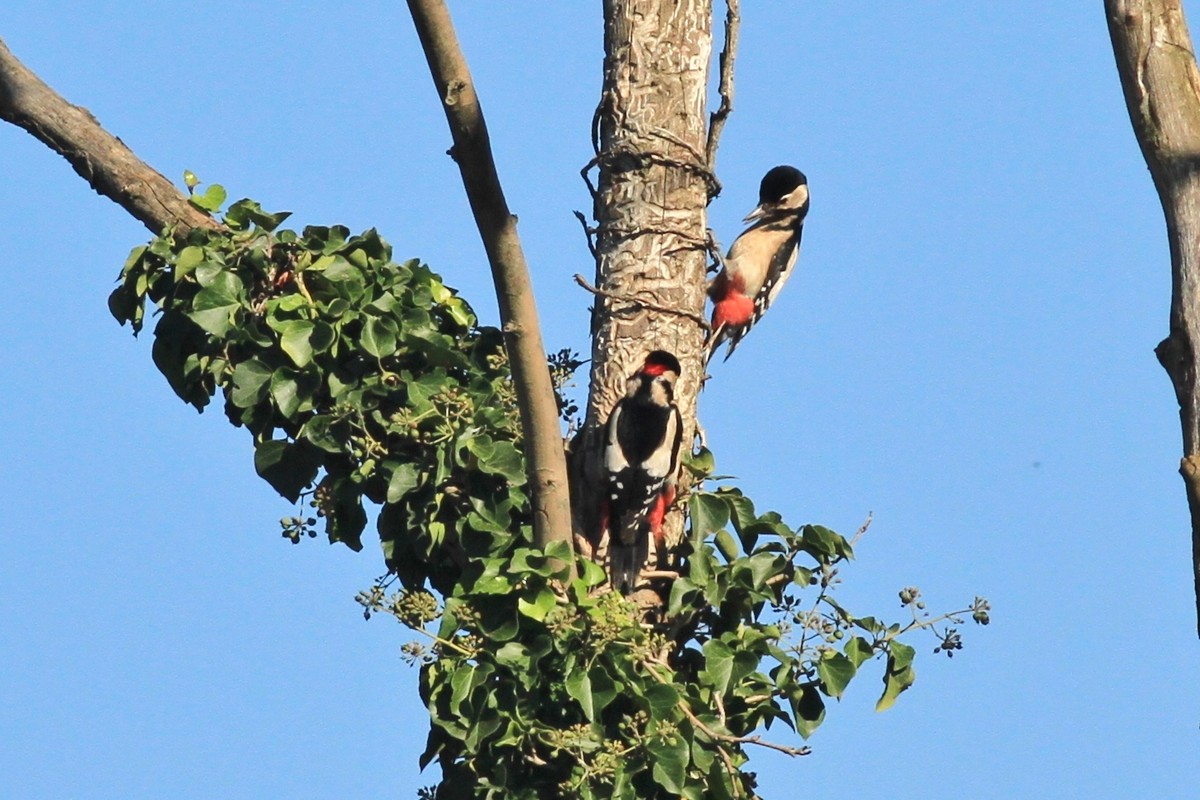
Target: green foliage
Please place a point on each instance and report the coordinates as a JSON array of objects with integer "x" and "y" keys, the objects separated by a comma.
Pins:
[
  {"x": 363, "y": 380},
  {"x": 358, "y": 378},
  {"x": 539, "y": 689}
]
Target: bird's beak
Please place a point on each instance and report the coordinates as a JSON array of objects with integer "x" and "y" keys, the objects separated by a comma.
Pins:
[{"x": 756, "y": 214}]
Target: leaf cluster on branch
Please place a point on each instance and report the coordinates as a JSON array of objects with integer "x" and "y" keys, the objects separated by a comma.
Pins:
[{"x": 358, "y": 378}]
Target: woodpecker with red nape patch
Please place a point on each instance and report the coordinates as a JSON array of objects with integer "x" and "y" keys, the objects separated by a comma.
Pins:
[
  {"x": 760, "y": 260},
  {"x": 641, "y": 461}
]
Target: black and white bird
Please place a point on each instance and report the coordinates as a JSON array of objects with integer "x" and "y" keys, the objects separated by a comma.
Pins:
[
  {"x": 641, "y": 462},
  {"x": 760, "y": 260}
]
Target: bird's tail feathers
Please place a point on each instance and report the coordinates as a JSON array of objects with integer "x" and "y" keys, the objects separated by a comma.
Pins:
[
  {"x": 715, "y": 339},
  {"x": 625, "y": 562},
  {"x": 628, "y": 552}
]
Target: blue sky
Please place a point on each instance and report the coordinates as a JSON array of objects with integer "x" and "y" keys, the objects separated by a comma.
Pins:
[{"x": 965, "y": 351}]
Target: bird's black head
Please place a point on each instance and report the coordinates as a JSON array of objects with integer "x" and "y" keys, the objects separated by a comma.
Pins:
[
  {"x": 660, "y": 361},
  {"x": 779, "y": 183}
]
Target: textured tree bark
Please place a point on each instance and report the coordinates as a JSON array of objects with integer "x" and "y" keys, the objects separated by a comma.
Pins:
[
  {"x": 649, "y": 206},
  {"x": 1161, "y": 82},
  {"x": 545, "y": 457},
  {"x": 100, "y": 158}
]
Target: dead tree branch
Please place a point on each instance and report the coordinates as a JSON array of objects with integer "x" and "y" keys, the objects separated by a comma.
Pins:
[
  {"x": 100, "y": 158},
  {"x": 545, "y": 458},
  {"x": 1157, "y": 66},
  {"x": 716, "y": 120}
]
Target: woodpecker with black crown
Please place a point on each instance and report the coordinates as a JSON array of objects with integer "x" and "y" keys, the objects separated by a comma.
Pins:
[
  {"x": 760, "y": 260},
  {"x": 641, "y": 462}
]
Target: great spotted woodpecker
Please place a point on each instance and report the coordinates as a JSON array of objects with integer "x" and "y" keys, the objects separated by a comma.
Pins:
[
  {"x": 761, "y": 259},
  {"x": 641, "y": 461}
]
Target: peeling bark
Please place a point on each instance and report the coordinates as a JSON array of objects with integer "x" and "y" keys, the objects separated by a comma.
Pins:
[
  {"x": 1158, "y": 71},
  {"x": 100, "y": 158}
]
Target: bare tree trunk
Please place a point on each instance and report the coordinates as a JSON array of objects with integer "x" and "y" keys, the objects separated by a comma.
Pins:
[
  {"x": 100, "y": 158},
  {"x": 650, "y": 209},
  {"x": 1161, "y": 81},
  {"x": 545, "y": 458}
]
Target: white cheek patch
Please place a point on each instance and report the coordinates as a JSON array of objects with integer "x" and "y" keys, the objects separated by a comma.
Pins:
[{"x": 797, "y": 198}]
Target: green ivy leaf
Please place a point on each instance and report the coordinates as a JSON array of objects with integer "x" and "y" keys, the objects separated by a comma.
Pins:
[
  {"x": 727, "y": 545},
  {"x": 808, "y": 710},
  {"x": 379, "y": 336},
  {"x": 250, "y": 379},
  {"x": 404, "y": 479},
  {"x": 292, "y": 391},
  {"x": 718, "y": 665},
  {"x": 498, "y": 458},
  {"x": 541, "y": 605},
  {"x": 858, "y": 650},
  {"x": 579, "y": 686},
  {"x": 189, "y": 258},
  {"x": 244, "y": 212},
  {"x": 288, "y": 467},
  {"x": 126, "y": 306},
  {"x": 514, "y": 655},
  {"x": 460, "y": 312},
  {"x": 709, "y": 513},
  {"x": 835, "y": 671},
  {"x": 210, "y": 200},
  {"x": 899, "y": 675},
  {"x": 215, "y": 305},
  {"x": 670, "y": 757},
  {"x": 664, "y": 701},
  {"x": 701, "y": 464},
  {"x": 294, "y": 338}
]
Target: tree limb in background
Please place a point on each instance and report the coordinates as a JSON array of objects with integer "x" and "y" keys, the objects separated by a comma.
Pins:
[
  {"x": 1157, "y": 65},
  {"x": 100, "y": 158},
  {"x": 546, "y": 460}
]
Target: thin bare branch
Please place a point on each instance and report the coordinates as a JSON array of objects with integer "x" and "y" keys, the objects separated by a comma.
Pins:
[
  {"x": 100, "y": 158},
  {"x": 716, "y": 120},
  {"x": 727, "y": 738},
  {"x": 589, "y": 233},
  {"x": 545, "y": 458}
]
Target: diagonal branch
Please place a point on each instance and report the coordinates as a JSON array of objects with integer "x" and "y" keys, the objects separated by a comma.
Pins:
[
  {"x": 545, "y": 457},
  {"x": 100, "y": 158}
]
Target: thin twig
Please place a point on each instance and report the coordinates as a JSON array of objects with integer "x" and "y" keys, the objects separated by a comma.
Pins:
[
  {"x": 589, "y": 232},
  {"x": 714, "y": 249},
  {"x": 716, "y": 120},
  {"x": 635, "y": 300},
  {"x": 729, "y": 738},
  {"x": 862, "y": 529},
  {"x": 587, "y": 179}
]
